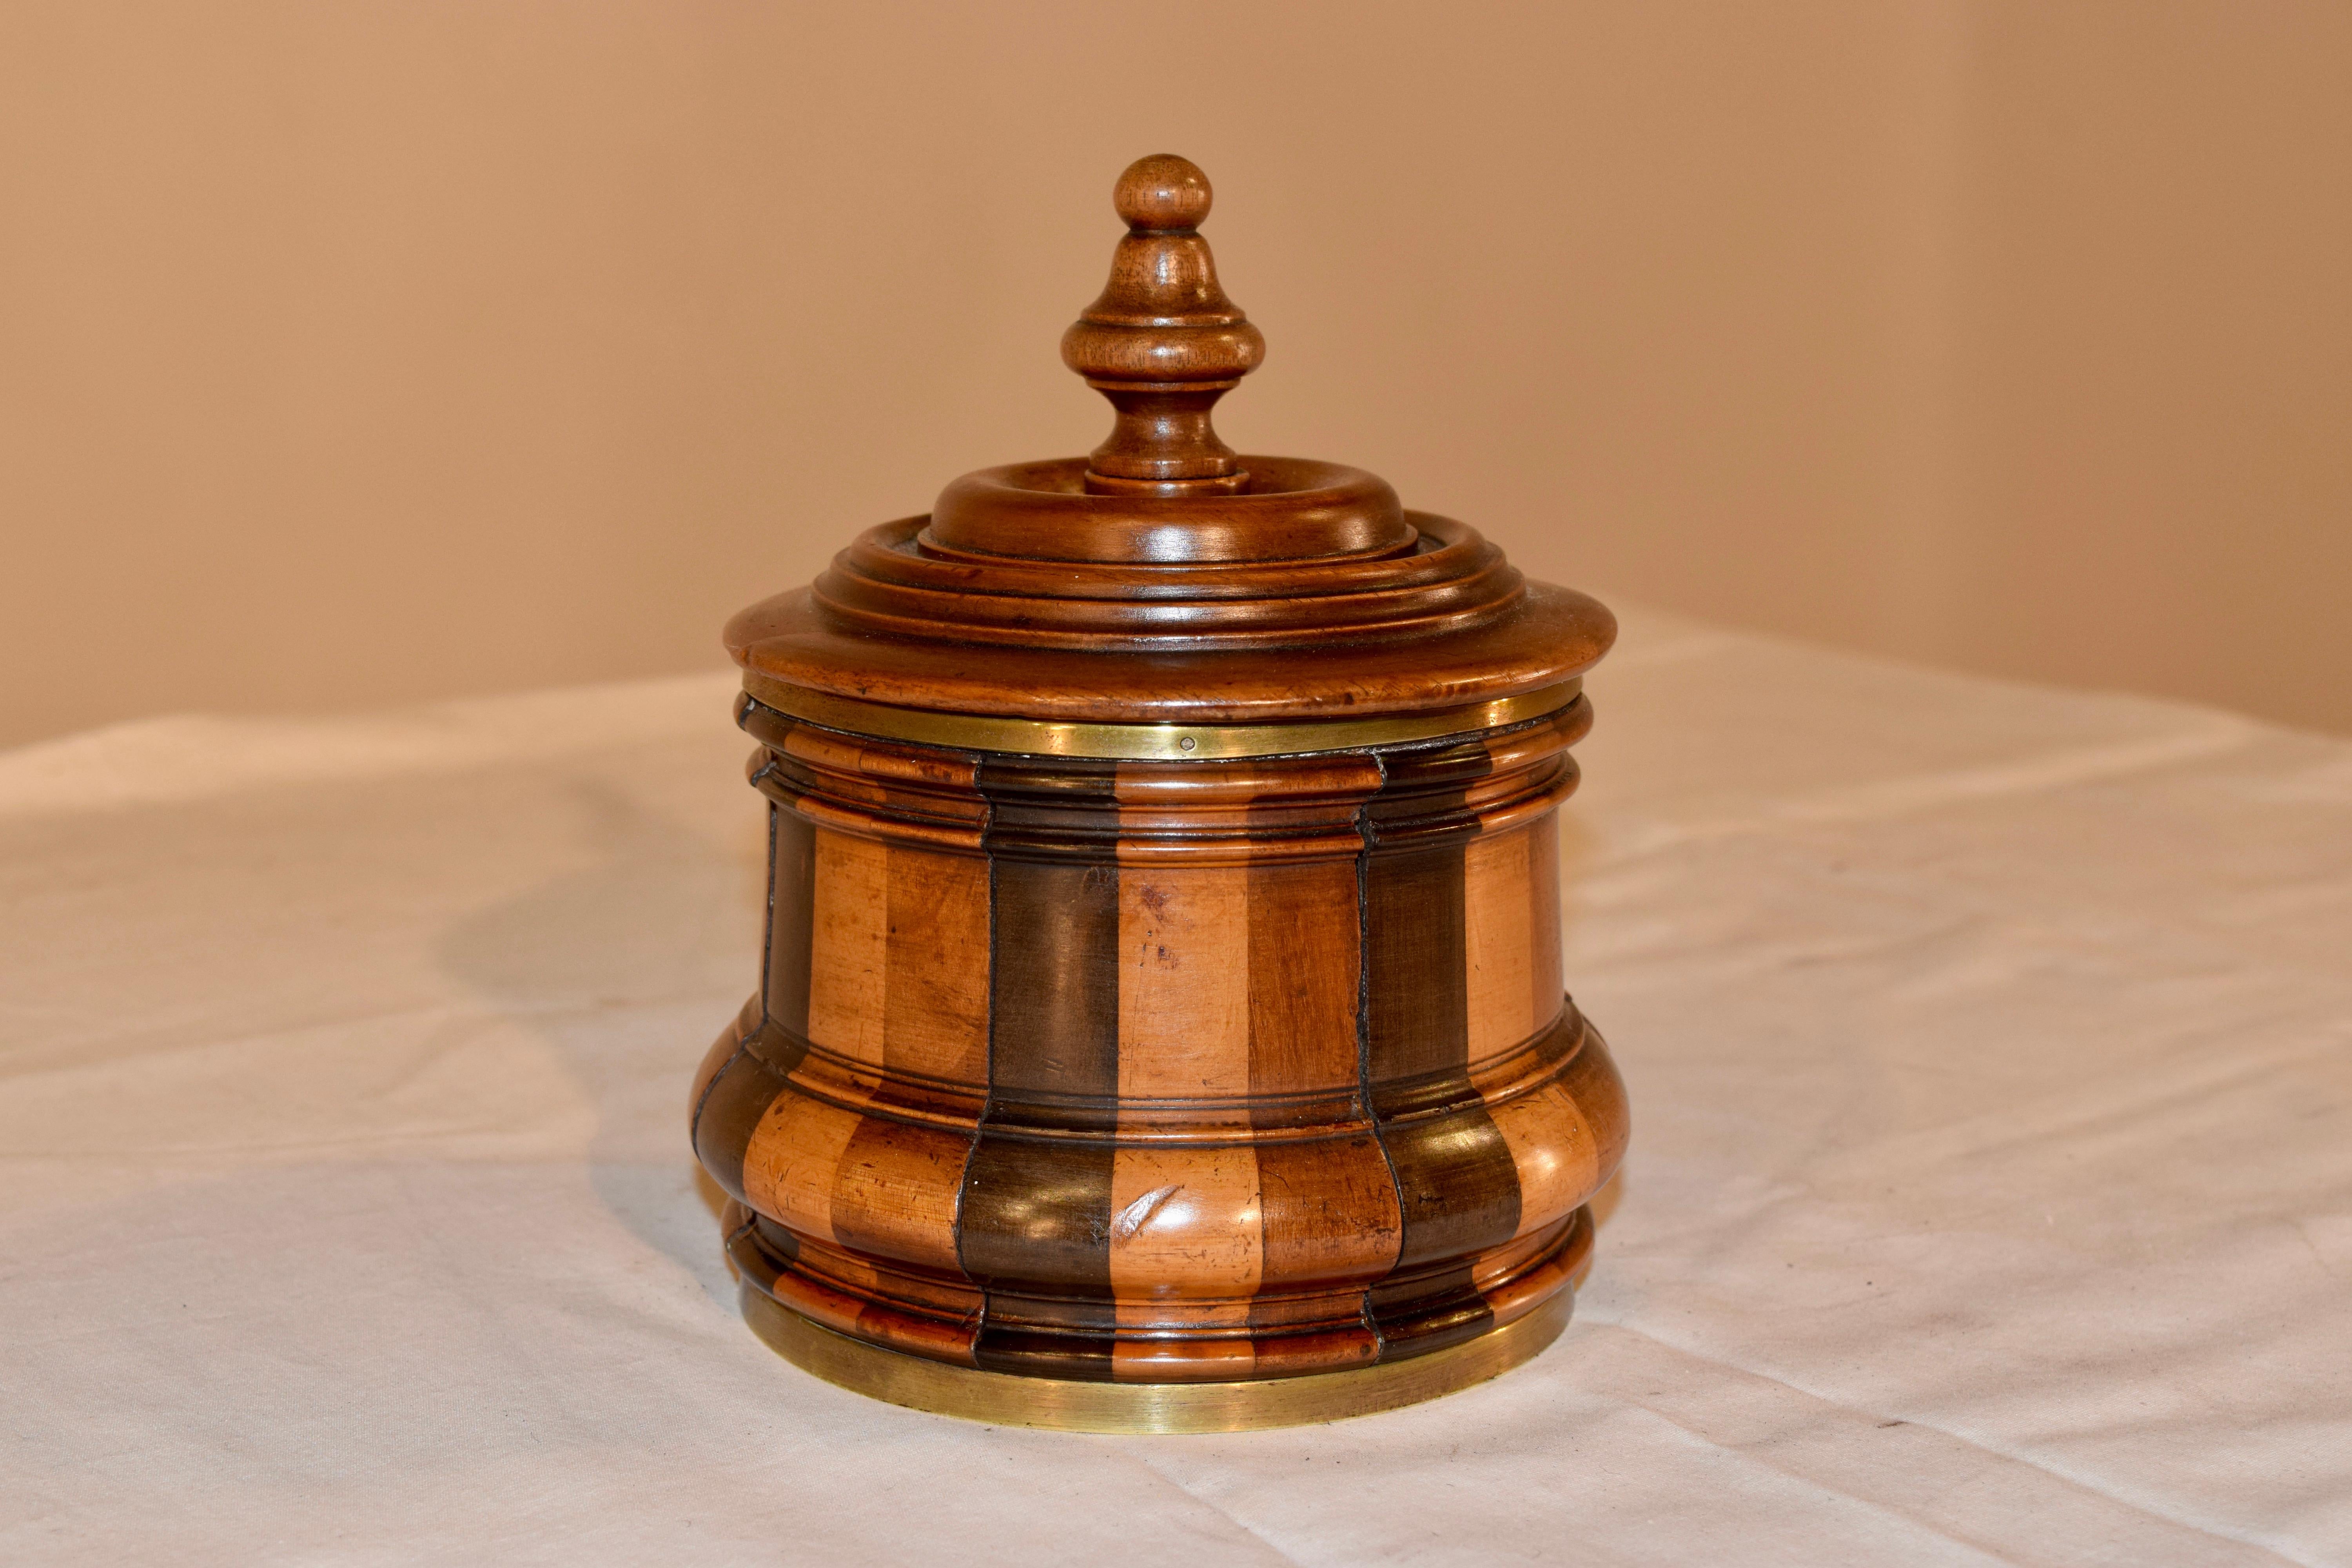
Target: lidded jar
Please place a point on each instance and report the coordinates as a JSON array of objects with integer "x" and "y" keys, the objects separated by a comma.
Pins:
[{"x": 1161, "y": 1023}]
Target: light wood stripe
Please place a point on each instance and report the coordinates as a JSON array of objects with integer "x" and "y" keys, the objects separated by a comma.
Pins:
[
  {"x": 1330, "y": 1211},
  {"x": 1185, "y": 1252},
  {"x": 1185, "y": 984},
  {"x": 1555, "y": 1152},
  {"x": 1305, "y": 952},
  {"x": 849, "y": 949},
  {"x": 935, "y": 1001},
  {"x": 794, "y": 1159},
  {"x": 1186, "y": 1235},
  {"x": 1499, "y": 942},
  {"x": 894, "y": 1192}
]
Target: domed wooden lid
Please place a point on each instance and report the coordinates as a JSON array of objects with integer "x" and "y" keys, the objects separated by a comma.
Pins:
[{"x": 1166, "y": 579}]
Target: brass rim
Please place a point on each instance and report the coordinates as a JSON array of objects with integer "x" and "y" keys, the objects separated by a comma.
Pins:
[
  {"x": 1002, "y": 1399},
  {"x": 1155, "y": 742}
]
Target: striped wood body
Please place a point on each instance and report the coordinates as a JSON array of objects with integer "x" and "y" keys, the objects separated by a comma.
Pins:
[{"x": 1162, "y": 1072}]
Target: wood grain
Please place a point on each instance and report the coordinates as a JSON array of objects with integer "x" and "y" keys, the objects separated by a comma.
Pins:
[
  {"x": 935, "y": 1000},
  {"x": 849, "y": 949}
]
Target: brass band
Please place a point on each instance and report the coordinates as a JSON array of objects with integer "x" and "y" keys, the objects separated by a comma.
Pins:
[
  {"x": 1003, "y": 1399},
  {"x": 1152, "y": 742}
]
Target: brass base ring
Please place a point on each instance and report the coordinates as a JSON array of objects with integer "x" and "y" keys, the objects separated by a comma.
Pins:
[{"x": 1003, "y": 1399}]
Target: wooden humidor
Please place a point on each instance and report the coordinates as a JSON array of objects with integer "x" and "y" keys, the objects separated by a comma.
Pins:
[{"x": 1162, "y": 1025}]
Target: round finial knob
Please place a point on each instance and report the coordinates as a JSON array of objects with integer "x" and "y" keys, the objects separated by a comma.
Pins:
[
  {"x": 1163, "y": 342},
  {"x": 1162, "y": 193}
]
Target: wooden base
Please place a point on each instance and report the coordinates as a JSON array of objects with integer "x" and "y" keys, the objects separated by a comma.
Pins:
[{"x": 1002, "y": 1399}]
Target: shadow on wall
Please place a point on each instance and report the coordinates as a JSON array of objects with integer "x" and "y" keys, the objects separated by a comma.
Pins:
[{"x": 629, "y": 966}]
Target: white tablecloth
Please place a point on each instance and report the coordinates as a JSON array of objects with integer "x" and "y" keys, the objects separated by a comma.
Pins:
[{"x": 1990, "y": 1193}]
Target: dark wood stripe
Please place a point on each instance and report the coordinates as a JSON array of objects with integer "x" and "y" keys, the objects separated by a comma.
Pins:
[
  {"x": 1062, "y": 810},
  {"x": 722, "y": 1050},
  {"x": 1418, "y": 1010},
  {"x": 1053, "y": 996},
  {"x": 1034, "y": 1213},
  {"x": 998, "y": 1348},
  {"x": 768, "y": 935},
  {"x": 1427, "y": 1310},
  {"x": 776, "y": 1239},
  {"x": 1457, "y": 1185},
  {"x": 1034, "y": 1228}
]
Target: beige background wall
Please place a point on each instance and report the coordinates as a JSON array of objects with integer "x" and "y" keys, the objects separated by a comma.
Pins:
[{"x": 361, "y": 351}]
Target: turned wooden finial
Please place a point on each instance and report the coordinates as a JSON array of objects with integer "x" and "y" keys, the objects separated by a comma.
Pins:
[{"x": 1163, "y": 342}]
